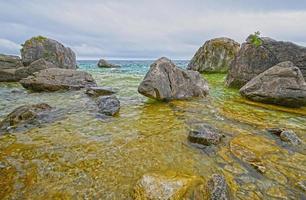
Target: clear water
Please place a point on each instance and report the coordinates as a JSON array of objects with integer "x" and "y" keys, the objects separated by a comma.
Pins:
[{"x": 82, "y": 156}]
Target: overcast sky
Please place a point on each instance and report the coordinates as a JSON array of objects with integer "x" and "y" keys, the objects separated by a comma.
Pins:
[{"x": 147, "y": 29}]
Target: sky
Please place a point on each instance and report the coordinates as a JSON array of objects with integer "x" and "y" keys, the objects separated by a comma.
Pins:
[{"x": 147, "y": 29}]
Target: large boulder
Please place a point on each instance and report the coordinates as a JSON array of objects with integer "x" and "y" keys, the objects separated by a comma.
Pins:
[
  {"x": 49, "y": 49},
  {"x": 165, "y": 81},
  {"x": 215, "y": 55},
  {"x": 35, "y": 66},
  {"x": 104, "y": 64},
  {"x": 282, "y": 84},
  {"x": 158, "y": 186},
  {"x": 8, "y": 66},
  {"x": 54, "y": 79},
  {"x": 24, "y": 117},
  {"x": 254, "y": 59}
]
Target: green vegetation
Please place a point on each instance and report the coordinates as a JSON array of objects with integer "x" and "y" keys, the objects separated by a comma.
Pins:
[
  {"x": 255, "y": 39},
  {"x": 37, "y": 38}
]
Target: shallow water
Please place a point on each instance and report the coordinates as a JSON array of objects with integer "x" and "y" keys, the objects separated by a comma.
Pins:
[{"x": 82, "y": 156}]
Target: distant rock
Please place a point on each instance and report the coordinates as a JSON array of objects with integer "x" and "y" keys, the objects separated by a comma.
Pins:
[
  {"x": 253, "y": 60},
  {"x": 55, "y": 79},
  {"x": 49, "y": 49},
  {"x": 282, "y": 84},
  {"x": 165, "y": 81},
  {"x": 218, "y": 188},
  {"x": 23, "y": 117},
  {"x": 8, "y": 66},
  {"x": 35, "y": 66},
  {"x": 215, "y": 55},
  {"x": 108, "y": 105},
  {"x": 160, "y": 186},
  {"x": 99, "y": 91},
  {"x": 205, "y": 135},
  {"x": 104, "y": 64}
]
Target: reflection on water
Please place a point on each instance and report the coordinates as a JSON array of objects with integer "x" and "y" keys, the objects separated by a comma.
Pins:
[{"x": 81, "y": 156}]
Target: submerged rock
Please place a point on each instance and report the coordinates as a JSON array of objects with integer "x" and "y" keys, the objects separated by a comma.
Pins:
[
  {"x": 253, "y": 60},
  {"x": 99, "y": 91},
  {"x": 49, "y": 49},
  {"x": 218, "y": 189},
  {"x": 165, "y": 81},
  {"x": 282, "y": 84},
  {"x": 108, "y": 105},
  {"x": 104, "y": 64},
  {"x": 54, "y": 79},
  {"x": 290, "y": 137},
  {"x": 24, "y": 116},
  {"x": 8, "y": 66},
  {"x": 155, "y": 186},
  {"x": 205, "y": 135},
  {"x": 215, "y": 55}
]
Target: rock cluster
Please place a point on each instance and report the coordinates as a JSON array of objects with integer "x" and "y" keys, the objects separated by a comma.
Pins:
[
  {"x": 215, "y": 55},
  {"x": 165, "y": 81},
  {"x": 8, "y": 66},
  {"x": 253, "y": 60}
]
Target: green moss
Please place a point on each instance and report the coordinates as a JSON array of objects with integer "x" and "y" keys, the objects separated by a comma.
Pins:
[
  {"x": 255, "y": 39},
  {"x": 36, "y": 38}
]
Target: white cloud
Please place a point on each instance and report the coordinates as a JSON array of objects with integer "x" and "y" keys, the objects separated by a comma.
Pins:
[
  {"x": 149, "y": 29},
  {"x": 9, "y": 47}
]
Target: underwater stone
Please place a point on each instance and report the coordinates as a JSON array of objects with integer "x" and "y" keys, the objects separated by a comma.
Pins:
[
  {"x": 218, "y": 188},
  {"x": 205, "y": 135},
  {"x": 108, "y": 105},
  {"x": 99, "y": 91},
  {"x": 290, "y": 137}
]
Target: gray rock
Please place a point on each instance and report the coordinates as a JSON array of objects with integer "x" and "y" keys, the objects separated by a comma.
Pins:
[
  {"x": 290, "y": 137},
  {"x": 218, "y": 189},
  {"x": 104, "y": 64},
  {"x": 24, "y": 116},
  {"x": 108, "y": 105},
  {"x": 205, "y": 135},
  {"x": 49, "y": 49},
  {"x": 215, "y": 55},
  {"x": 169, "y": 186},
  {"x": 8, "y": 66},
  {"x": 282, "y": 84},
  {"x": 35, "y": 66},
  {"x": 253, "y": 60},
  {"x": 99, "y": 91},
  {"x": 165, "y": 81},
  {"x": 55, "y": 79}
]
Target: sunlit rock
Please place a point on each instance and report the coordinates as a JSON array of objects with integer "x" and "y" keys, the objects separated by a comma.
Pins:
[
  {"x": 8, "y": 66},
  {"x": 159, "y": 186}
]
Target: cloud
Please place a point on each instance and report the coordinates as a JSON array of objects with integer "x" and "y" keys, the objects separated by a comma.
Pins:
[
  {"x": 149, "y": 29},
  {"x": 9, "y": 47}
]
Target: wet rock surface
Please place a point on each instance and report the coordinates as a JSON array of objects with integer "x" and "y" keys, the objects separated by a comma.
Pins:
[
  {"x": 104, "y": 64},
  {"x": 23, "y": 116},
  {"x": 108, "y": 105},
  {"x": 55, "y": 79},
  {"x": 155, "y": 186},
  {"x": 99, "y": 91},
  {"x": 290, "y": 137},
  {"x": 282, "y": 84},
  {"x": 253, "y": 60},
  {"x": 50, "y": 50},
  {"x": 218, "y": 188},
  {"x": 205, "y": 135},
  {"x": 165, "y": 81},
  {"x": 216, "y": 55}
]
